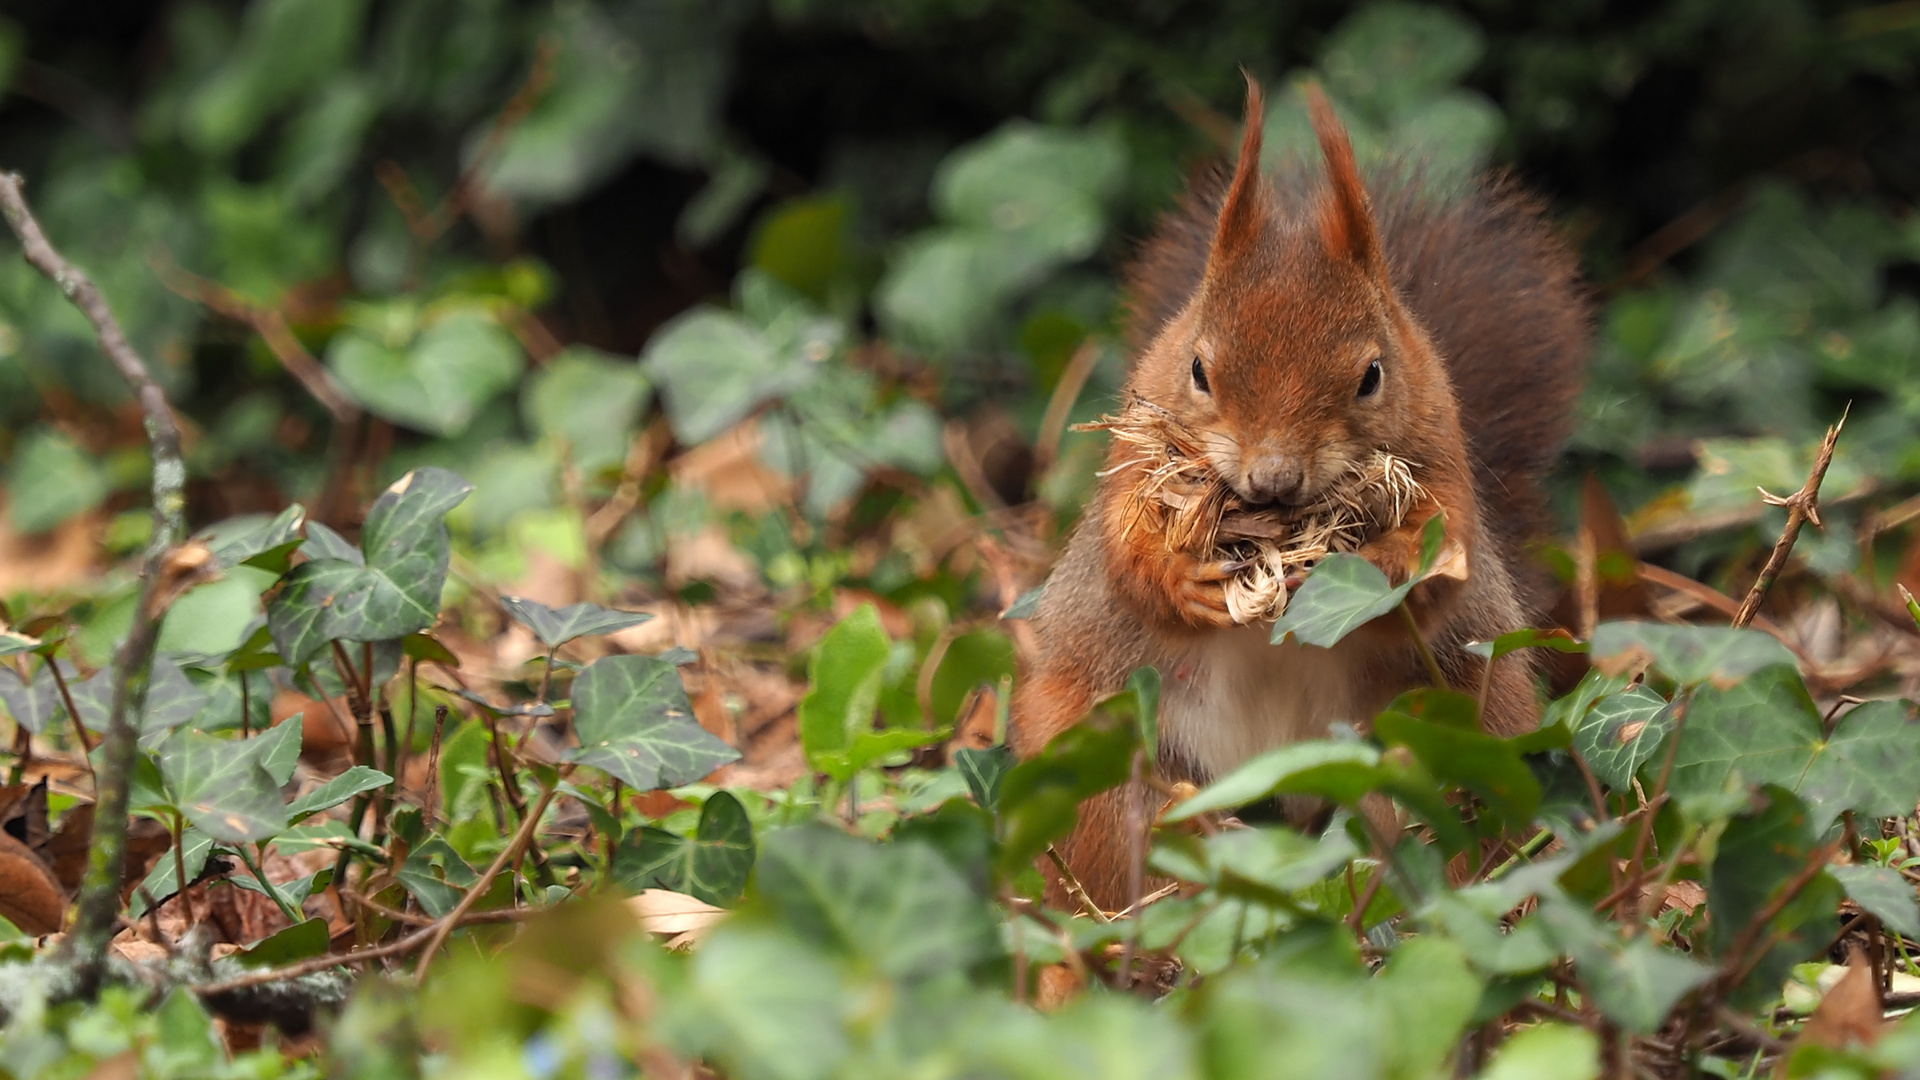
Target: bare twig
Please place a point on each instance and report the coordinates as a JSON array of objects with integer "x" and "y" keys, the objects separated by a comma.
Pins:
[
  {"x": 521, "y": 837},
  {"x": 1802, "y": 506},
  {"x": 85, "y": 945},
  {"x": 271, "y": 324},
  {"x": 397, "y": 947}
]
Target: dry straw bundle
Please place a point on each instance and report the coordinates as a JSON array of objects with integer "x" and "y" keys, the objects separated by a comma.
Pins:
[{"x": 1180, "y": 497}]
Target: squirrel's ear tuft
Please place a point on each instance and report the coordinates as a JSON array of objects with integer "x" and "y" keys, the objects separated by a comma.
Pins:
[
  {"x": 1242, "y": 213},
  {"x": 1346, "y": 223}
]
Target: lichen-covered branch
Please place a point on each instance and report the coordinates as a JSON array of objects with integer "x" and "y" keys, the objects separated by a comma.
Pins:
[{"x": 84, "y": 949}]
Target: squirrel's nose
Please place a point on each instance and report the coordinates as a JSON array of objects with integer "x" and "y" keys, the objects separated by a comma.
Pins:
[{"x": 1272, "y": 478}]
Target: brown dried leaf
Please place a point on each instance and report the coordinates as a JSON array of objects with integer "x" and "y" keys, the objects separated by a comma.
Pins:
[
  {"x": 30, "y": 897},
  {"x": 1849, "y": 1014}
]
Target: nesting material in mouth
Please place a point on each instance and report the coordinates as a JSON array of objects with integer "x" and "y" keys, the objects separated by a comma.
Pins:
[{"x": 1181, "y": 498}]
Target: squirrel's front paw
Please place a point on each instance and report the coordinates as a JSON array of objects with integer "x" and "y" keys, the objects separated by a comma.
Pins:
[{"x": 1198, "y": 589}]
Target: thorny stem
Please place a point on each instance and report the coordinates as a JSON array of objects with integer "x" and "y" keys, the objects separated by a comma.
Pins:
[
  {"x": 507, "y": 854},
  {"x": 1802, "y": 506},
  {"x": 99, "y": 901}
]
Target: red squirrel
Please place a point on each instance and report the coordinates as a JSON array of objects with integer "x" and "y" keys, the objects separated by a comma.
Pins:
[{"x": 1300, "y": 325}]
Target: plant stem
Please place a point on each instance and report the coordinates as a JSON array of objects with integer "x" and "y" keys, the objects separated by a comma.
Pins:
[
  {"x": 507, "y": 854},
  {"x": 286, "y": 907},
  {"x": 73, "y": 714},
  {"x": 1426, "y": 654},
  {"x": 246, "y": 709}
]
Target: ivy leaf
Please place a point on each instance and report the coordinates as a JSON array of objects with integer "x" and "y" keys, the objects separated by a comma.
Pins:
[
  {"x": 398, "y": 590},
  {"x": 323, "y": 543},
  {"x": 1340, "y": 771},
  {"x": 1345, "y": 592},
  {"x": 1754, "y": 859},
  {"x": 525, "y": 708},
  {"x": 32, "y": 703},
  {"x": 588, "y": 399},
  {"x": 844, "y": 676},
  {"x": 634, "y": 723},
  {"x": 1635, "y": 985},
  {"x": 1490, "y": 767},
  {"x": 163, "y": 880},
  {"x": 1871, "y": 764},
  {"x": 983, "y": 770},
  {"x": 1620, "y": 732},
  {"x": 711, "y": 865},
  {"x": 1515, "y": 640},
  {"x": 898, "y": 906},
  {"x": 12, "y": 642},
  {"x": 172, "y": 700},
  {"x": 1690, "y": 655},
  {"x": 277, "y": 749},
  {"x": 1764, "y": 729},
  {"x": 245, "y": 539},
  {"x": 222, "y": 787},
  {"x": 1882, "y": 892},
  {"x": 1040, "y": 797},
  {"x": 336, "y": 791},
  {"x": 296, "y": 942},
  {"x": 713, "y": 367},
  {"x": 439, "y": 382},
  {"x": 557, "y": 626}
]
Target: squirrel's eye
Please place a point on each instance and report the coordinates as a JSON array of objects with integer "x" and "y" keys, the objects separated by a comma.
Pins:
[
  {"x": 1200, "y": 377},
  {"x": 1370, "y": 382}
]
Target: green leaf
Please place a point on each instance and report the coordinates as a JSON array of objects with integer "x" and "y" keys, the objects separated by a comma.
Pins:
[
  {"x": 557, "y": 626},
  {"x": 1515, "y": 640},
  {"x": 254, "y": 536},
  {"x": 899, "y": 907},
  {"x": 13, "y": 643},
  {"x": 1040, "y": 797},
  {"x": 714, "y": 367},
  {"x": 1882, "y": 892},
  {"x": 1547, "y": 1052},
  {"x": 438, "y": 382},
  {"x": 984, "y": 769},
  {"x": 172, "y": 700},
  {"x": 222, "y": 787},
  {"x": 277, "y": 749},
  {"x": 32, "y": 704},
  {"x": 323, "y": 543},
  {"x": 436, "y": 875},
  {"x": 1621, "y": 732},
  {"x": 844, "y": 677},
  {"x": 634, "y": 723},
  {"x": 1636, "y": 985},
  {"x": 1870, "y": 765},
  {"x": 589, "y": 400},
  {"x": 395, "y": 594},
  {"x": 354, "y": 781},
  {"x": 51, "y": 480},
  {"x": 711, "y": 865},
  {"x": 1689, "y": 654},
  {"x": 1489, "y": 767},
  {"x": 1429, "y": 991},
  {"x": 981, "y": 658},
  {"x": 1754, "y": 859},
  {"x": 1345, "y": 592},
  {"x": 1340, "y": 771},
  {"x": 1763, "y": 729},
  {"x": 163, "y": 879},
  {"x": 296, "y": 942}
]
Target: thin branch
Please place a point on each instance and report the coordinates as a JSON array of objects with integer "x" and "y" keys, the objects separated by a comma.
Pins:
[
  {"x": 451, "y": 919},
  {"x": 319, "y": 963},
  {"x": 1802, "y": 506},
  {"x": 166, "y": 572},
  {"x": 1074, "y": 888}
]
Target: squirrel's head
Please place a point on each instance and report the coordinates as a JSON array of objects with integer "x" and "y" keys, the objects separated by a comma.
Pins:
[{"x": 1294, "y": 360}]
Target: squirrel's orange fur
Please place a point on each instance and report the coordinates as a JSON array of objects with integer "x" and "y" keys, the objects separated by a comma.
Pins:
[{"x": 1282, "y": 291}]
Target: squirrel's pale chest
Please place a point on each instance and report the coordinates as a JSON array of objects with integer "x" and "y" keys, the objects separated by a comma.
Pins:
[{"x": 1232, "y": 694}]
